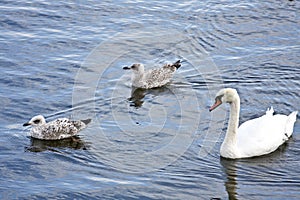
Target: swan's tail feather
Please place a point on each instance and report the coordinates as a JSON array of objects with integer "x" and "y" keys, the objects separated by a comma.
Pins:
[{"x": 290, "y": 123}]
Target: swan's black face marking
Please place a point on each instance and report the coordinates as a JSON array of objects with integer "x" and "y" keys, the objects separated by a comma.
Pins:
[
  {"x": 218, "y": 101},
  {"x": 219, "y": 98}
]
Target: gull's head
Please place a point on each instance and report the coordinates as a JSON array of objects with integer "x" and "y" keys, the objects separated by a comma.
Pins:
[
  {"x": 227, "y": 95},
  {"x": 36, "y": 120},
  {"x": 136, "y": 68}
]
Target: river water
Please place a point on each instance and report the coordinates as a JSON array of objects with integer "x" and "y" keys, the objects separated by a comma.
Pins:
[{"x": 65, "y": 59}]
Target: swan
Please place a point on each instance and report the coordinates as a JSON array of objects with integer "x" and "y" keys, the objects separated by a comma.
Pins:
[
  {"x": 255, "y": 137},
  {"x": 60, "y": 128},
  {"x": 154, "y": 77}
]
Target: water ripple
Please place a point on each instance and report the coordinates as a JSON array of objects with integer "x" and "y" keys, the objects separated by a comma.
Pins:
[{"x": 252, "y": 46}]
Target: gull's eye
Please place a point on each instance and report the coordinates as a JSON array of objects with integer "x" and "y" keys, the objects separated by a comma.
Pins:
[
  {"x": 133, "y": 67},
  {"x": 36, "y": 121}
]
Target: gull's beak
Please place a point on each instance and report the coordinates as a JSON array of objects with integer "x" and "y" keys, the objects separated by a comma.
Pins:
[
  {"x": 216, "y": 104},
  {"x": 126, "y": 68},
  {"x": 26, "y": 124}
]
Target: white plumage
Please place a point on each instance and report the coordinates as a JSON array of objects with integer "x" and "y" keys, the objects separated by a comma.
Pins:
[
  {"x": 55, "y": 130},
  {"x": 154, "y": 77},
  {"x": 255, "y": 137}
]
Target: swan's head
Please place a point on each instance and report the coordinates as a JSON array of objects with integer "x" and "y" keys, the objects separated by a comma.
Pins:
[
  {"x": 37, "y": 120},
  {"x": 136, "y": 68},
  {"x": 227, "y": 95}
]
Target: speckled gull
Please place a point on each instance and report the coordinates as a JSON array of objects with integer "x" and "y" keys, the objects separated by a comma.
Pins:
[
  {"x": 154, "y": 77},
  {"x": 55, "y": 130}
]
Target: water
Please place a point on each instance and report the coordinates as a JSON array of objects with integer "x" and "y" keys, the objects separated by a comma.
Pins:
[{"x": 65, "y": 59}]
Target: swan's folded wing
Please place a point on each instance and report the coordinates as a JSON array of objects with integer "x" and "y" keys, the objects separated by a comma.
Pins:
[{"x": 261, "y": 135}]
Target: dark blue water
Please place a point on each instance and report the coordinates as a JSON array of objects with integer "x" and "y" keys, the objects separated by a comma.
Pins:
[{"x": 65, "y": 59}]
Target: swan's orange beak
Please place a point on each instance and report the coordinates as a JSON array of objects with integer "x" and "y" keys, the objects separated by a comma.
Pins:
[{"x": 216, "y": 104}]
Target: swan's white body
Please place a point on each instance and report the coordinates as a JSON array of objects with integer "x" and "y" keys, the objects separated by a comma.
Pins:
[{"x": 255, "y": 137}]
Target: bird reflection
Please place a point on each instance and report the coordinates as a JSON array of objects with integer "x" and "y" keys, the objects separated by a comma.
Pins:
[
  {"x": 53, "y": 145},
  {"x": 138, "y": 95},
  {"x": 231, "y": 183},
  {"x": 231, "y": 166}
]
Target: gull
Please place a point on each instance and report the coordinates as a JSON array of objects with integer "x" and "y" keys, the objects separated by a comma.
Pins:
[
  {"x": 152, "y": 78},
  {"x": 60, "y": 128}
]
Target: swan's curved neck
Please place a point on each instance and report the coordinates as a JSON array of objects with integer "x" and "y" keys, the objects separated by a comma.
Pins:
[{"x": 230, "y": 138}]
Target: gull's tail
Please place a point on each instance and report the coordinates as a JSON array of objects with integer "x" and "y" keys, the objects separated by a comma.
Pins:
[
  {"x": 86, "y": 121},
  {"x": 81, "y": 124},
  {"x": 177, "y": 64}
]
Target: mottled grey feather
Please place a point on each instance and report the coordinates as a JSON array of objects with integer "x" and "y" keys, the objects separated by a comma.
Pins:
[
  {"x": 58, "y": 129},
  {"x": 154, "y": 77}
]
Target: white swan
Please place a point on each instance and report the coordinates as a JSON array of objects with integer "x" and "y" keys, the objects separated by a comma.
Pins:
[
  {"x": 60, "y": 128},
  {"x": 255, "y": 137},
  {"x": 154, "y": 77}
]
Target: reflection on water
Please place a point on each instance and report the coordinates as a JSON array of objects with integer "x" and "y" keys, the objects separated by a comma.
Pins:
[
  {"x": 37, "y": 145},
  {"x": 231, "y": 175},
  {"x": 236, "y": 170},
  {"x": 137, "y": 96},
  {"x": 166, "y": 132}
]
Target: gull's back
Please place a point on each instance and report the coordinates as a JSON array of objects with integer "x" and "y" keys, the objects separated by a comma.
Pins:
[{"x": 58, "y": 129}]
